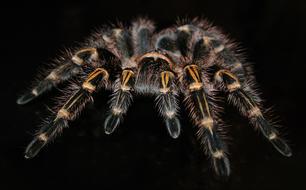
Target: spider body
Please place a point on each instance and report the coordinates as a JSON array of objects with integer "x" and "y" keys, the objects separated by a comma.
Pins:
[{"x": 192, "y": 59}]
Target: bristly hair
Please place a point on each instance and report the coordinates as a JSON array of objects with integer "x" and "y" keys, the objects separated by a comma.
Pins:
[{"x": 192, "y": 58}]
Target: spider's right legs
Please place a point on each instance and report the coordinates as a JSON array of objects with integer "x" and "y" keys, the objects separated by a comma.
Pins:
[
  {"x": 232, "y": 77},
  {"x": 61, "y": 73},
  {"x": 199, "y": 107},
  {"x": 68, "y": 111},
  {"x": 245, "y": 99}
]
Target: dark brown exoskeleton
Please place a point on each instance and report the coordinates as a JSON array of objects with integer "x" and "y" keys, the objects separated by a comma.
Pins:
[{"x": 191, "y": 59}]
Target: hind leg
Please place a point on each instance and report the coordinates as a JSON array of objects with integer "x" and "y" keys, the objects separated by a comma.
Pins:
[{"x": 60, "y": 74}]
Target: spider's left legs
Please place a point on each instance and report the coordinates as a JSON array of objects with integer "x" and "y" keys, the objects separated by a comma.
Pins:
[
  {"x": 200, "y": 110},
  {"x": 69, "y": 111},
  {"x": 68, "y": 69},
  {"x": 130, "y": 45},
  {"x": 243, "y": 97}
]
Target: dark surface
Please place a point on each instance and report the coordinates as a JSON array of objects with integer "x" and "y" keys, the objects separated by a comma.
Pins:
[{"x": 140, "y": 154}]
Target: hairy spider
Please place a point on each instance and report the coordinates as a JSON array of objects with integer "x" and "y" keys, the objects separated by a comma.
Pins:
[{"x": 191, "y": 58}]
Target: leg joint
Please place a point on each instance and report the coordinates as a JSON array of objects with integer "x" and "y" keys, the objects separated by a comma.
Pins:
[{"x": 87, "y": 53}]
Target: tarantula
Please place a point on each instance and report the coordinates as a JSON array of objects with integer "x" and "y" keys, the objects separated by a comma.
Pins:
[{"x": 191, "y": 58}]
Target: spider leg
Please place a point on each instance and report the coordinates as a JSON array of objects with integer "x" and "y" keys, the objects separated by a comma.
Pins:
[
  {"x": 120, "y": 101},
  {"x": 244, "y": 98},
  {"x": 68, "y": 111},
  {"x": 233, "y": 78},
  {"x": 129, "y": 48},
  {"x": 157, "y": 71},
  {"x": 167, "y": 103},
  {"x": 200, "y": 111},
  {"x": 60, "y": 74},
  {"x": 122, "y": 96}
]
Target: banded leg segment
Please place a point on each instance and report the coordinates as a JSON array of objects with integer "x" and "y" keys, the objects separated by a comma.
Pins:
[
  {"x": 167, "y": 103},
  {"x": 121, "y": 100},
  {"x": 68, "y": 111},
  {"x": 233, "y": 79},
  {"x": 244, "y": 99},
  {"x": 199, "y": 106},
  {"x": 60, "y": 74}
]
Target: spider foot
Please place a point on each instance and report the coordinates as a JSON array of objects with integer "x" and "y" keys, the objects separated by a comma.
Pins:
[
  {"x": 34, "y": 147},
  {"x": 173, "y": 127},
  {"x": 221, "y": 166},
  {"x": 272, "y": 135},
  {"x": 111, "y": 123},
  {"x": 26, "y": 98},
  {"x": 282, "y": 147},
  {"x": 44, "y": 136}
]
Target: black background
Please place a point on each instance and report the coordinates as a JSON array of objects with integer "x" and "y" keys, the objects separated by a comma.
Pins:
[{"x": 140, "y": 154}]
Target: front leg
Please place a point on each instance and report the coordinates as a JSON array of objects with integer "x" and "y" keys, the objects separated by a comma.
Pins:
[
  {"x": 120, "y": 101},
  {"x": 200, "y": 108},
  {"x": 167, "y": 103}
]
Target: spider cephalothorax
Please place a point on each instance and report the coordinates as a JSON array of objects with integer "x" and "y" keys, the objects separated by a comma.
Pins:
[{"x": 191, "y": 58}]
